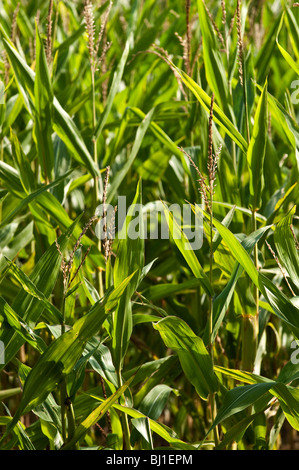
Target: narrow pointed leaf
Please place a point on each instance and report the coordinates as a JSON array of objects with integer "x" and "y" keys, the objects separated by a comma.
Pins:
[
  {"x": 240, "y": 398},
  {"x": 214, "y": 67},
  {"x": 114, "y": 88},
  {"x": 289, "y": 59},
  {"x": 280, "y": 304},
  {"x": 43, "y": 112},
  {"x": 257, "y": 150},
  {"x": 97, "y": 414},
  {"x": 183, "y": 244},
  {"x": 129, "y": 259},
  {"x": 31, "y": 288},
  {"x": 63, "y": 124},
  {"x": 286, "y": 248},
  {"x": 62, "y": 354},
  {"x": 194, "y": 358},
  {"x": 161, "y": 430},
  {"x": 29, "y": 309},
  {"x": 219, "y": 116}
]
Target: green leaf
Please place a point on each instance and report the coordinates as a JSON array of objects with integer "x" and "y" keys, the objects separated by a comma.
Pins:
[
  {"x": 142, "y": 425},
  {"x": 121, "y": 174},
  {"x": 114, "y": 88},
  {"x": 236, "y": 248},
  {"x": 280, "y": 304},
  {"x": 20, "y": 327},
  {"x": 10, "y": 179},
  {"x": 286, "y": 248},
  {"x": 240, "y": 398},
  {"x": 141, "y": 373},
  {"x": 26, "y": 174},
  {"x": 23, "y": 441},
  {"x": 162, "y": 431},
  {"x": 43, "y": 112},
  {"x": 160, "y": 291},
  {"x": 63, "y": 125},
  {"x": 289, "y": 59},
  {"x": 157, "y": 131},
  {"x": 183, "y": 244},
  {"x": 98, "y": 413},
  {"x": 23, "y": 238},
  {"x": 236, "y": 432},
  {"x": 31, "y": 288},
  {"x": 285, "y": 124},
  {"x": 265, "y": 53},
  {"x": 257, "y": 150},
  {"x": 62, "y": 354},
  {"x": 218, "y": 115},
  {"x": 32, "y": 196},
  {"x": 194, "y": 358},
  {"x": 9, "y": 392},
  {"x": 287, "y": 311},
  {"x": 241, "y": 375},
  {"x": 222, "y": 301},
  {"x": 43, "y": 276},
  {"x": 293, "y": 29},
  {"x": 288, "y": 399},
  {"x": 129, "y": 259},
  {"x": 214, "y": 67},
  {"x": 154, "y": 402}
]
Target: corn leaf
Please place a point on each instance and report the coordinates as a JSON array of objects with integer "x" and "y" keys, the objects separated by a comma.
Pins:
[
  {"x": 183, "y": 244},
  {"x": 240, "y": 398},
  {"x": 156, "y": 427},
  {"x": 256, "y": 151},
  {"x": 214, "y": 67},
  {"x": 43, "y": 112},
  {"x": 98, "y": 413},
  {"x": 31, "y": 197},
  {"x": 219, "y": 116},
  {"x": 130, "y": 258},
  {"x": 286, "y": 248},
  {"x": 63, "y": 125},
  {"x": 19, "y": 326},
  {"x": 142, "y": 129},
  {"x": 62, "y": 354},
  {"x": 114, "y": 87},
  {"x": 289, "y": 59},
  {"x": 30, "y": 287},
  {"x": 293, "y": 29},
  {"x": 43, "y": 276},
  {"x": 23, "y": 164},
  {"x": 194, "y": 358},
  {"x": 280, "y": 304}
]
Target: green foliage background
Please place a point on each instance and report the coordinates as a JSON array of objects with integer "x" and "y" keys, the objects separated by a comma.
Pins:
[{"x": 156, "y": 346}]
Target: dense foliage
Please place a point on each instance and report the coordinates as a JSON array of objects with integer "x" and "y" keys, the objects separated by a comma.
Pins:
[{"x": 149, "y": 342}]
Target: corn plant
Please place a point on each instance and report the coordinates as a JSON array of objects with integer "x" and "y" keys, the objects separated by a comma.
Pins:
[{"x": 113, "y": 113}]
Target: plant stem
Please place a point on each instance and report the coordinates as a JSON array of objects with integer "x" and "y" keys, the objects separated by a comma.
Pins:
[
  {"x": 250, "y": 319},
  {"x": 67, "y": 410},
  {"x": 125, "y": 422},
  {"x": 256, "y": 263},
  {"x": 212, "y": 165},
  {"x": 63, "y": 393},
  {"x": 242, "y": 69},
  {"x": 96, "y": 194},
  {"x": 245, "y": 103},
  {"x": 210, "y": 319},
  {"x": 63, "y": 410},
  {"x": 71, "y": 424},
  {"x": 1, "y": 159}
]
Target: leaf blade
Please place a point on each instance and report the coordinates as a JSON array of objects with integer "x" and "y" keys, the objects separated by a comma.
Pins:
[{"x": 195, "y": 360}]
